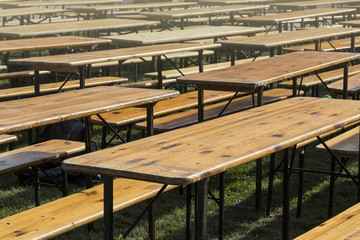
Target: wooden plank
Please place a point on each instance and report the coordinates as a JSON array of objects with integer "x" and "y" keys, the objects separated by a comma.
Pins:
[
  {"x": 21, "y": 4},
  {"x": 75, "y": 26},
  {"x": 149, "y": 38},
  {"x": 6, "y": 138},
  {"x": 184, "y": 101},
  {"x": 36, "y": 154},
  {"x": 17, "y": 115},
  {"x": 188, "y": 155},
  {"x": 178, "y": 120},
  {"x": 53, "y": 87},
  {"x": 258, "y": 73},
  {"x": 65, "y": 214},
  {"x": 81, "y": 59},
  {"x": 344, "y": 226},
  {"x": 35, "y": 44},
  {"x": 288, "y": 16},
  {"x": 345, "y": 144},
  {"x": 285, "y": 38},
  {"x": 353, "y": 85}
]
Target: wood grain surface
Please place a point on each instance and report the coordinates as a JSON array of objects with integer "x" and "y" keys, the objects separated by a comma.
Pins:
[
  {"x": 28, "y": 11},
  {"x": 191, "y": 154},
  {"x": 81, "y": 59},
  {"x": 68, "y": 27},
  {"x": 21, "y": 4},
  {"x": 258, "y": 73},
  {"x": 28, "y": 113},
  {"x": 148, "y": 38},
  {"x": 310, "y": 13},
  {"x": 284, "y": 38},
  {"x": 34, "y": 44},
  {"x": 6, "y": 138}
]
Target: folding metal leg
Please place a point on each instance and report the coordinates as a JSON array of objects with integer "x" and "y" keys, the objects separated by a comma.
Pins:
[
  {"x": 64, "y": 182},
  {"x": 188, "y": 211},
  {"x": 108, "y": 208},
  {"x": 221, "y": 205},
  {"x": 151, "y": 221},
  {"x": 271, "y": 182},
  {"x": 36, "y": 185},
  {"x": 201, "y": 205},
  {"x": 258, "y": 183},
  {"x": 301, "y": 183},
  {"x": 331, "y": 190},
  {"x": 286, "y": 210}
]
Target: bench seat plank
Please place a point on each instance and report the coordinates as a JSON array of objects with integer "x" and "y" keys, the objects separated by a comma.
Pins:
[
  {"x": 353, "y": 85},
  {"x": 65, "y": 214},
  {"x": 192, "y": 70},
  {"x": 53, "y": 87},
  {"x": 187, "y": 118},
  {"x": 38, "y": 153},
  {"x": 345, "y": 225},
  {"x": 312, "y": 80},
  {"x": 21, "y": 74},
  {"x": 186, "y": 100},
  {"x": 7, "y": 138},
  {"x": 345, "y": 144},
  {"x": 340, "y": 44}
]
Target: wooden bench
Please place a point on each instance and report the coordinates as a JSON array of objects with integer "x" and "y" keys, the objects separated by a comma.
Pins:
[
  {"x": 149, "y": 83},
  {"x": 312, "y": 81},
  {"x": 192, "y": 70},
  {"x": 65, "y": 214},
  {"x": 21, "y": 74},
  {"x": 34, "y": 155},
  {"x": 124, "y": 118},
  {"x": 340, "y": 44},
  {"x": 344, "y": 226},
  {"x": 353, "y": 86},
  {"x": 8, "y": 139},
  {"x": 53, "y": 87},
  {"x": 187, "y": 118}
]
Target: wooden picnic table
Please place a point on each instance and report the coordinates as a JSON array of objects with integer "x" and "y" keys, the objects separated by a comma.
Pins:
[
  {"x": 81, "y": 62},
  {"x": 25, "y": 13},
  {"x": 254, "y": 76},
  {"x": 165, "y": 16},
  {"x": 189, "y": 155},
  {"x": 234, "y": 2},
  {"x": 22, "y": 114},
  {"x": 149, "y": 38},
  {"x": 47, "y": 43},
  {"x": 108, "y": 10},
  {"x": 273, "y": 41},
  {"x": 22, "y": 4},
  {"x": 351, "y": 23},
  {"x": 283, "y": 18},
  {"x": 296, "y": 5},
  {"x": 107, "y": 24}
]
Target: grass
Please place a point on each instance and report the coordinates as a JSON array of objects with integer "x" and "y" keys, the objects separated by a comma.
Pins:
[{"x": 242, "y": 221}]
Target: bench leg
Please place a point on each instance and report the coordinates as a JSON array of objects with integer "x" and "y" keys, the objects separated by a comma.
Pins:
[
  {"x": 201, "y": 205},
  {"x": 108, "y": 208},
  {"x": 36, "y": 185},
  {"x": 271, "y": 183},
  {"x": 331, "y": 190},
  {"x": 188, "y": 211},
  {"x": 301, "y": 183},
  {"x": 285, "y": 215},
  {"x": 258, "y": 183}
]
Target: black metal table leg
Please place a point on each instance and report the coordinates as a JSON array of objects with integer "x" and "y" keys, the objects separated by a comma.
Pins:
[
  {"x": 285, "y": 216},
  {"x": 345, "y": 81},
  {"x": 188, "y": 211},
  {"x": 150, "y": 119},
  {"x": 159, "y": 67},
  {"x": 201, "y": 60},
  {"x": 200, "y": 105},
  {"x": 201, "y": 209},
  {"x": 108, "y": 208},
  {"x": 221, "y": 205},
  {"x": 37, "y": 82},
  {"x": 258, "y": 183},
  {"x": 270, "y": 185}
]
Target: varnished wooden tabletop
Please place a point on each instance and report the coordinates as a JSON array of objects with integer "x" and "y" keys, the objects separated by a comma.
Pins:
[
  {"x": 81, "y": 59},
  {"x": 28, "y": 11},
  {"x": 194, "y": 153},
  {"x": 148, "y": 38},
  {"x": 284, "y": 38},
  {"x": 34, "y": 44},
  {"x": 17, "y": 115},
  {"x": 288, "y": 16},
  {"x": 306, "y": 4},
  {"x": 174, "y": 14},
  {"x": 68, "y": 27},
  {"x": 258, "y": 73},
  {"x": 166, "y": 5},
  {"x": 21, "y": 4}
]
